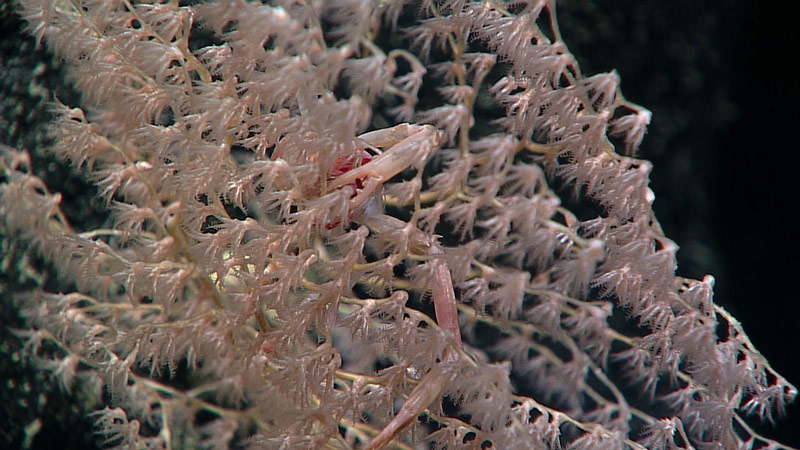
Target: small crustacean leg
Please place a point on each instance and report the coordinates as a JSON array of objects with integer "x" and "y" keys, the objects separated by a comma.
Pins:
[
  {"x": 425, "y": 393},
  {"x": 444, "y": 298}
]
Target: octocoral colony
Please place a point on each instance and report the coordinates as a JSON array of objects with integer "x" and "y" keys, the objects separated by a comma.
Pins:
[{"x": 289, "y": 185}]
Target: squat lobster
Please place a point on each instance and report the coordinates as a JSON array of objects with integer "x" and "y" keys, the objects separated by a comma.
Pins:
[{"x": 408, "y": 146}]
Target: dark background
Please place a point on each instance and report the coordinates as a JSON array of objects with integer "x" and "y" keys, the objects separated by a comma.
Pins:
[{"x": 720, "y": 81}]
